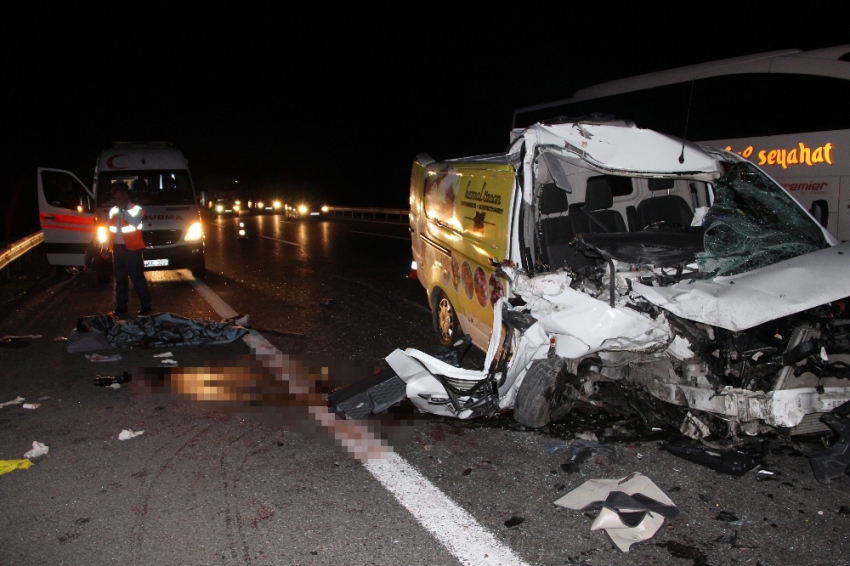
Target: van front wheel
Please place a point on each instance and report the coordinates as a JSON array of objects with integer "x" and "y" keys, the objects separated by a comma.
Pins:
[
  {"x": 445, "y": 320},
  {"x": 533, "y": 406}
]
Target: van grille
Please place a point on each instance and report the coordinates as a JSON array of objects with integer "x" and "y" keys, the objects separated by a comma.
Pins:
[{"x": 161, "y": 237}]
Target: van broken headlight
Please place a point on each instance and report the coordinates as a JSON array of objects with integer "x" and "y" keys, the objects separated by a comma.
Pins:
[{"x": 195, "y": 232}]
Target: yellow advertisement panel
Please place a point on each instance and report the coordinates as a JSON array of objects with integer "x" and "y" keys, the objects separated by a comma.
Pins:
[{"x": 468, "y": 209}]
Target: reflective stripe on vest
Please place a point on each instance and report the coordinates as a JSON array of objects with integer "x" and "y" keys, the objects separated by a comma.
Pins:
[{"x": 130, "y": 232}]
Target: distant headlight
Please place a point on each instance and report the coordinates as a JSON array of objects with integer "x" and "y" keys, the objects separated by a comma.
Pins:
[
  {"x": 236, "y": 207},
  {"x": 276, "y": 204},
  {"x": 237, "y": 202},
  {"x": 219, "y": 208},
  {"x": 195, "y": 232},
  {"x": 259, "y": 204},
  {"x": 325, "y": 209},
  {"x": 101, "y": 234},
  {"x": 302, "y": 209}
]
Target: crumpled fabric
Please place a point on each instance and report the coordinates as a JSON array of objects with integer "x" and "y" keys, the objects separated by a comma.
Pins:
[
  {"x": 163, "y": 330},
  {"x": 7, "y": 466}
]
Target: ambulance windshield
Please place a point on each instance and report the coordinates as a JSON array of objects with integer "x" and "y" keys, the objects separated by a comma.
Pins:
[
  {"x": 753, "y": 223},
  {"x": 148, "y": 187}
]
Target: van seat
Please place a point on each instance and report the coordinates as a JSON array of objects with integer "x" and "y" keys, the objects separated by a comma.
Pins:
[
  {"x": 669, "y": 210},
  {"x": 556, "y": 232},
  {"x": 595, "y": 215}
]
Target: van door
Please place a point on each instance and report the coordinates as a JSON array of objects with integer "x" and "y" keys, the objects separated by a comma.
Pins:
[{"x": 65, "y": 210}]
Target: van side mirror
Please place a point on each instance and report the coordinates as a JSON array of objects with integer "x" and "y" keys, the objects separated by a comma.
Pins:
[{"x": 820, "y": 210}]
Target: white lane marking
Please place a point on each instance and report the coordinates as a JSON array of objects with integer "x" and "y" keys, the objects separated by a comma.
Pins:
[
  {"x": 450, "y": 524},
  {"x": 380, "y": 235},
  {"x": 281, "y": 241}
]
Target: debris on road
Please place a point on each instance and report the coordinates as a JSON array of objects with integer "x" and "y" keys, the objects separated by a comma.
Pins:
[
  {"x": 115, "y": 386},
  {"x": 7, "y": 466},
  {"x": 514, "y": 522},
  {"x": 631, "y": 509},
  {"x": 732, "y": 462},
  {"x": 38, "y": 449},
  {"x": 110, "y": 380},
  {"x": 169, "y": 362},
  {"x": 23, "y": 337},
  {"x": 833, "y": 462},
  {"x": 127, "y": 434},
  {"x": 162, "y": 330},
  {"x": 17, "y": 341},
  {"x": 102, "y": 358},
  {"x": 15, "y": 401},
  {"x": 369, "y": 396},
  {"x": 580, "y": 451},
  {"x": 31, "y": 405},
  {"x": 279, "y": 332},
  {"x": 163, "y": 355},
  {"x": 86, "y": 342}
]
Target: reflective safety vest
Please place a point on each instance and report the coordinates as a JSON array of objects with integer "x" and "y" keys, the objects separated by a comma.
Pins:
[{"x": 131, "y": 226}]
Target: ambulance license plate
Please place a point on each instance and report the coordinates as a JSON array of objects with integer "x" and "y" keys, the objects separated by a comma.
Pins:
[{"x": 156, "y": 262}]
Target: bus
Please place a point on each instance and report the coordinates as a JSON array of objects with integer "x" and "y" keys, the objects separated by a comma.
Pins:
[{"x": 786, "y": 111}]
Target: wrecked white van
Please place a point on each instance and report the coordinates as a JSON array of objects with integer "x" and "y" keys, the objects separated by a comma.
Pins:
[{"x": 683, "y": 275}]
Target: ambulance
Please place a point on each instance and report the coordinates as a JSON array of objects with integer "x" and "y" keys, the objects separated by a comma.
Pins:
[{"x": 73, "y": 217}]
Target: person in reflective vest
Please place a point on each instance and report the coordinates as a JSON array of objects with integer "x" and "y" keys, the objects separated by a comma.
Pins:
[{"x": 125, "y": 240}]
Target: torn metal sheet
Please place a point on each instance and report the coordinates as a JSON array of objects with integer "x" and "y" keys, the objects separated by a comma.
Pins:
[{"x": 743, "y": 301}]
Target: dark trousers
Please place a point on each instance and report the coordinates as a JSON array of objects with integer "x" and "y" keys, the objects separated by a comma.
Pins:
[{"x": 129, "y": 264}]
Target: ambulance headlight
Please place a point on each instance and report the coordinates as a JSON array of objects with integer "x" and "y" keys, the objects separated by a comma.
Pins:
[
  {"x": 259, "y": 204},
  {"x": 302, "y": 209},
  {"x": 236, "y": 207},
  {"x": 276, "y": 204},
  {"x": 195, "y": 232},
  {"x": 101, "y": 234},
  {"x": 325, "y": 209},
  {"x": 219, "y": 208}
]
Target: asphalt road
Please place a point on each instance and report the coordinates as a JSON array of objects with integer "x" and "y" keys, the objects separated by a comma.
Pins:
[{"x": 207, "y": 485}]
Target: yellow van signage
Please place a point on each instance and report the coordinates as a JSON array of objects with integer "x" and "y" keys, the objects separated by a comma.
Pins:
[{"x": 801, "y": 155}]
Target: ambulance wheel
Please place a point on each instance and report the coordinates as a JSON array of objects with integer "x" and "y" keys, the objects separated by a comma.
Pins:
[
  {"x": 533, "y": 406},
  {"x": 445, "y": 319}
]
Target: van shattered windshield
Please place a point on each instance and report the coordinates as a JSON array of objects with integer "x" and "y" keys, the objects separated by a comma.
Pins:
[
  {"x": 753, "y": 223},
  {"x": 148, "y": 187}
]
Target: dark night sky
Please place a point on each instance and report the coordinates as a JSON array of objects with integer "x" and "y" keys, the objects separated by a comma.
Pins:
[{"x": 310, "y": 98}]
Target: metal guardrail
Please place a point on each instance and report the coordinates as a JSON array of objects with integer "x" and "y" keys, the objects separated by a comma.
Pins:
[
  {"x": 15, "y": 250},
  {"x": 395, "y": 215}
]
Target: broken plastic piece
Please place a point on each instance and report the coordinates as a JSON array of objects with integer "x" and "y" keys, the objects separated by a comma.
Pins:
[
  {"x": 632, "y": 509},
  {"x": 7, "y": 466},
  {"x": 732, "y": 462},
  {"x": 581, "y": 451},
  {"x": 163, "y": 355},
  {"x": 128, "y": 434},
  {"x": 108, "y": 380},
  {"x": 31, "y": 405},
  {"x": 102, "y": 358},
  {"x": 38, "y": 449},
  {"x": 169, "y": 362},
  {"x": 832, "y": 463},
  {"x": 15, "y": 401},
  {"x": 369, "y": 396}
]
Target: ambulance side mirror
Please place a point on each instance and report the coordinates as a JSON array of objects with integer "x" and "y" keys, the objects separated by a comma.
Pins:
[{"x": 820, "y": 210}]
